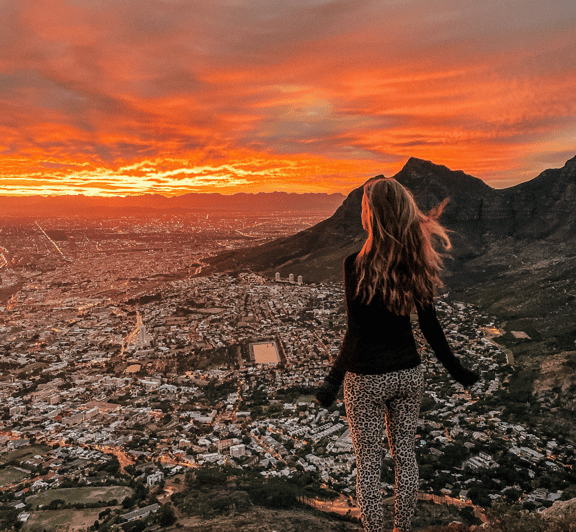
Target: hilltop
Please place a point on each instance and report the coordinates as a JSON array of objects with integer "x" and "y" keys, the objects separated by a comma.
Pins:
[{"x": 481, "y": 219}]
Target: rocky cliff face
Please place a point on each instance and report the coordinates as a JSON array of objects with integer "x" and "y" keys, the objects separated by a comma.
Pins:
[
  {"x": 480, "y": 217},
  {"x": 431, "y": 183},
  {"x": 545, "y": 206}
]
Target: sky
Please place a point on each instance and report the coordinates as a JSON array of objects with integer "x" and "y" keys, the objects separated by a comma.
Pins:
[{"x": 120, "y": 97}]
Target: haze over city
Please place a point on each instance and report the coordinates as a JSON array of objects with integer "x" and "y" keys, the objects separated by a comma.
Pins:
[{"x": 121, "y": 98}]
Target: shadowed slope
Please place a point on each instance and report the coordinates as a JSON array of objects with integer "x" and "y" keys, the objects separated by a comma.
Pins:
[
  {"x": 479, "y": 217},
  {"x": 315, "y": 253}
]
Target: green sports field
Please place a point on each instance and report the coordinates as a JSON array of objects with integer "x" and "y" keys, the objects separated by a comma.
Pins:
[
  {"x": 80, "y": 495},
  {"x": 10, "y": 475},
  {"x": 48, "y": 519}
]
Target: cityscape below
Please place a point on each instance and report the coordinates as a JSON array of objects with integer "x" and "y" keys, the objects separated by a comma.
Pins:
[{"x": 126, "y": 367}]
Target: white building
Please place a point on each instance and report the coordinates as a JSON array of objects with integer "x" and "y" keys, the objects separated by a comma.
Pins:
[
  {"x": 237, "y": 450},
  {"x": 154, "y": 478}
]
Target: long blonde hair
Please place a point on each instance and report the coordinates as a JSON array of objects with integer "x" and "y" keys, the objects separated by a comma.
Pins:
[{"x": 398, "y": 259}]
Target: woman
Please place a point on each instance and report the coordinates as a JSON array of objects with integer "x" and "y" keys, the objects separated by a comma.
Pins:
[{"x": 396, "y": 271}]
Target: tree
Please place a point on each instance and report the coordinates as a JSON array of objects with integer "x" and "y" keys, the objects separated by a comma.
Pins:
[
  {"x": 8, "y": 517},
  {"x": 134, "y": 526},
  {"x": 56, "y": 503},
  {"x": 209, "y": 476},
  {"x": 127, "y": 502},
  {"x": 512, "y": 495},
  {"x": 166, "y": 515},
  {"x": 515, "y": 519},
  {"x": 427, "y": 472},
  {"x": 479, "y": 496},
  {"x": 467, "y": 515},
  {"x": 112, "y": 466}
]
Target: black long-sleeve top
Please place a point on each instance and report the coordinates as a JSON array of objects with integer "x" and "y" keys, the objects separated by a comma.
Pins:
[{"x": 378, "y": 341}]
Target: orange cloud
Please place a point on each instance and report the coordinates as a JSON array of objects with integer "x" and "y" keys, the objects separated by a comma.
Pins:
[{"x": 129, "y": 97}]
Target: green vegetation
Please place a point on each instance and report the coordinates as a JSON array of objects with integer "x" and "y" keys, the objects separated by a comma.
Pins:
[
  {"x": 208, "y": 493},
  {"x": 166, "y": 516},
  {"x": 512, "y": 518},
  {"x": 214, "y": 491},
  {"x": 24, "y": 453},
  {"x": 8, "y": 517},
  {"x": 214, "y": 392}
]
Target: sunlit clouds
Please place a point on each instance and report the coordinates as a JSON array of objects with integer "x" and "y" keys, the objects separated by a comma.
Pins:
[{"x": 126, "y": 97}]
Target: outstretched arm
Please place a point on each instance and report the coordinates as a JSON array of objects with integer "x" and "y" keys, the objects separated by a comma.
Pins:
[
  {"x": 326, "y": 394},
  {"x": 435, "y": 336}
]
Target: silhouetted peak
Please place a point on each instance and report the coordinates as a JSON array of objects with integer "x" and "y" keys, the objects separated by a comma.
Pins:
[
  {"x": 422, "y": 168},
  {"x": 431, "y": 183},
  {"x": 415, "y": 162},
  {"x": 571, "y": 162}
]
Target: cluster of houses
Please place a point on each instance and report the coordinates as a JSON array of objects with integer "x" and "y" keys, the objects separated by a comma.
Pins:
[{"x": 99, "y": 376}]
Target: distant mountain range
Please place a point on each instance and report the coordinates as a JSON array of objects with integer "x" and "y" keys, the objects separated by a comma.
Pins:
[{"x": 93, "y": 206}]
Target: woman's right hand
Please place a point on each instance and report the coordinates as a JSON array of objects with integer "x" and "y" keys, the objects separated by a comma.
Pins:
[{"x": 467, "y": 377}]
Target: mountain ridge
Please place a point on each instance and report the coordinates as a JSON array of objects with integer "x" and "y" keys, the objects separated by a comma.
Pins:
[
  {"x": 200, "y": 201},
  {"x": 477, "y": 215}
]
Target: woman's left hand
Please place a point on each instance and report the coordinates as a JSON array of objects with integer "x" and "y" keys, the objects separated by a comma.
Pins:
[{"x": 326, "y": 394}]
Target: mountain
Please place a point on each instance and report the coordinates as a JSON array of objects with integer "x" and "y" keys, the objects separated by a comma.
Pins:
[
  {"x": 544, "y": 207},
  {"x": 317, "y": 253},
  {"x": 478, "y": 216},
  {"x": 155, "y": 203},
  {"x": 514, "y": 256}
]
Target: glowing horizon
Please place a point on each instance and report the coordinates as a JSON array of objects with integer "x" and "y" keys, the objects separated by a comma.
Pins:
[{"x": 127, "y": 98}]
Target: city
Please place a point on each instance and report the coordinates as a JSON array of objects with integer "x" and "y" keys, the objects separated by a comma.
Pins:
[{"x": 124, "y": 368}]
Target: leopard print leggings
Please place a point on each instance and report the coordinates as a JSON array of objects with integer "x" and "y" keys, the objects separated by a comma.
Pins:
[{"x": 372, "y": 400}]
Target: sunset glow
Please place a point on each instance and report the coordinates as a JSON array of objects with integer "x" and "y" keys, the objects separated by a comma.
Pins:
[{"x": 125, "y": 97}]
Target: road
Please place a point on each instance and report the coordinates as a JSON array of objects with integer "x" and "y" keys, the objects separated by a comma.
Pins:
[{"x": 342, "y": 505}]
